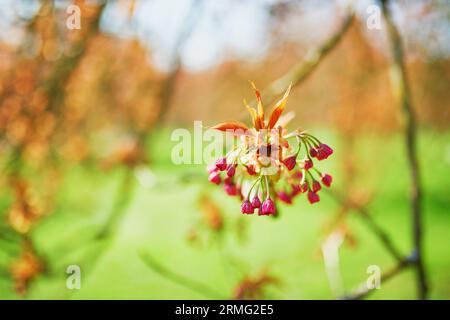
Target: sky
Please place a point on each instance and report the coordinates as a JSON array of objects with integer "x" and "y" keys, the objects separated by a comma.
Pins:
[{"x": 236, "y": 29}]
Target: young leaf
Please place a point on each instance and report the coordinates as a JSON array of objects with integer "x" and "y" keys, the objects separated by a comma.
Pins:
[
  {"x": 231, "y": 126},
  {"x": 260, "y": 106},
  {"x": 253, "y": 114},
  {"x": 278, "y": 109}
]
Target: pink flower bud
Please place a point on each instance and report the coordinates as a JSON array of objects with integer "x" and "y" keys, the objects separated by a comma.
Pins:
[
  {"x": 313, "y": 197},
  {"x": 247, "y": 207},
  {"x": 251, "y": 170},
  {"x": 296, "y": 189},
  {"x": 308, "y": 164},
  {"x": 297, "y": 175},
  {"x": 323, "y": 151},
  {"x": 268, "y": 207},
  {"x": 283, "y": 196},
  {"x": 230, "y": 189},
  {"x": 290, "y": 162},
  {"x": 221, "y": 164},
  {"x": 256, "y": 203},
  {"x": 211, "y": 167},
  {"x": 231, "y": 170},
  {"x": 214, "y": 177},
  {"x": 316, "y": 186},
  {"x": 304, "y": 187},
  {"x": 327, "y": 179}
]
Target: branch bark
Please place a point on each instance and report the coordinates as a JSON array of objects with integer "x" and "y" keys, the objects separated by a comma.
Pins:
[
  {"x": 372, "y": 225},
  {"x": 363, "y": 290},
  {"x": 180, "y": 279},
  {"x": 312, "y": 59},
  {"x": 400, "y": 88}
]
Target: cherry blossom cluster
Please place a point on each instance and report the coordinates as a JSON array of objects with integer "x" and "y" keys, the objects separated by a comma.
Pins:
[{"x": 268, "y": 163}]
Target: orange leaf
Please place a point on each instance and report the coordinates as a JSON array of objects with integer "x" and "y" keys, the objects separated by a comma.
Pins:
[
  {"x": 278, "y": 109},
  {"x": 254, "y": 115},
  {"x": 260, "y": 106},
  {"x": 231, "y": 126}
]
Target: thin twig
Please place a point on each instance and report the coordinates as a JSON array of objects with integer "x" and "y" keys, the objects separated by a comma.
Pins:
[
  {"x": 363, "y": 290},
  {"x": 300, "y": 71},
  {"x": 371, "y": 224},
  {"x": 127, "y": 187},
  {"x": 120, "y": 204},
  {"x": 180, "y": 279},
  {"x": 125, "y": 194},
  {"x": 169, "y": 86},
  {"x": 312, "y": 59},
  {"x": 400, "y": 88}
]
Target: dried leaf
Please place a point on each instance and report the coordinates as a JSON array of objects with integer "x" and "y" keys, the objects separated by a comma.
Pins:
[{"x": 278, "y": 109}]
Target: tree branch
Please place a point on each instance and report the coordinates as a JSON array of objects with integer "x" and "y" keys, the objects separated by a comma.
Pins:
[
  {"x": 371, "y": 224},
  {"x": 180, "y": 279},
  {"x": 363, "y": 290},
  {"x": 313, "y": 57},
  {"x": 400, "y": 88}
]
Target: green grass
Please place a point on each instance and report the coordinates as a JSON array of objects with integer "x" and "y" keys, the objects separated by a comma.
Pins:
[{"x": 159, "y": 218}]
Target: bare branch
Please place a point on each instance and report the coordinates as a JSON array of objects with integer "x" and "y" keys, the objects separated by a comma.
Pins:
[
  {"x": 400, "y": 88},
  {"x": 371, "y": 224},
  {"x": 313, "y": 57},
  {"x": 363, "y": 290},
  {"x": 180, "y": 279}
]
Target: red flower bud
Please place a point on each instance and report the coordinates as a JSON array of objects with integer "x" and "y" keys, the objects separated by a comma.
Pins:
[
  {"x": 221, "y": 164},
  {"x": 283, "y": 196},
  {"x": 313, "y": 197},
  {"x": 251, "y": 170},
  {"x": 267, "y": 208},
  {"x": 308, "y": 164},
  {"x": 230, "y": 189},
  {"x": 290, "y": 162},
  {"x": 297, "y": 175},
  {"x": 313, "y": 152},
  {"x": 323, "y": 151},
  {"x": 231, "y": 170},
  {"x": 316, "y": 186},
  {"x": 304, "y": 187},
  {"x": 214, "y": 177},
  {"x": 327, "y": 179},
  {"x": 247, "y": 207},
  {"x": 211, "y": 167},
  {"x": 228, "y": 180},
  {"x": 256, "y": 203},
  {"x": 296, "y": 189}
]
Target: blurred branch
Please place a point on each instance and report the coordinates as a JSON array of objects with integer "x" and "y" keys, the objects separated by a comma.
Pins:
[
  {"x": 299, "y": 72},
  {"x": 179, "y": 279},
  {"x": 126, "y": 187},
  {"x": 400, "y": 88},
  {"x": 175, "y": 65},
  {"x": 371, "y": 224},
  {"x": 65, "y": 66},
  {"x": 121, "y": 200},
  {"x": 363, "y": 290},
  {"x": 125, "y": 193}
]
